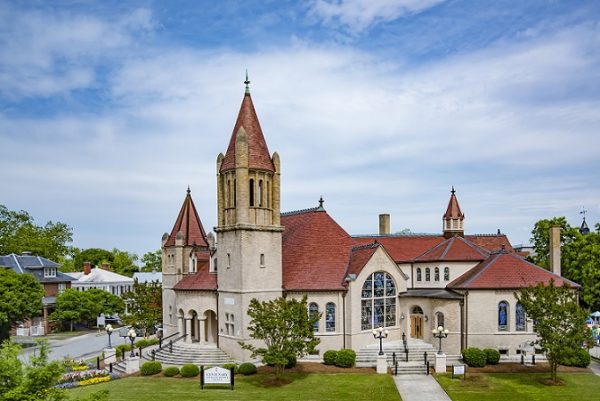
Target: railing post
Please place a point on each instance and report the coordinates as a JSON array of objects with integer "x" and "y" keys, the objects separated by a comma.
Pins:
[
  {"x": 110, "y": 367},
  {"x": 98, "y": 363},
  {"x": 153, "y": 354},
  {"x": 522, "y": 359},
  {"x": 171, "y": 346},
  {"x": 160, "y": 343},
  {"x": 406, "y": 353},
  {"x": 393, "y": 358},
  {"x": 140, "y": 348},
  {"x": 396, "y": 368},
  {"x": 427, "y": 368},
  {"x": 425, "y": 357},
  {"x": 533, "y": 358},
  {"x": 122, "y": 354}
]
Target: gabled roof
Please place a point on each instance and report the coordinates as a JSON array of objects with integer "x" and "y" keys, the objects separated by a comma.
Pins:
[
  {"x": 316, "y": 251},
  {"x": 453, "y": 211},
  {"x": 360, "y": 256},
  {"x": 258, "y": 152},
  {"x": 454, "y": 249},
  {"x": 34, "y": 265},
  {"x": 188, "y": 222},
  {"x": 202, "y": 280},
  {"x": 506, "y": 271},
  {"x": 98, "y": 275}
]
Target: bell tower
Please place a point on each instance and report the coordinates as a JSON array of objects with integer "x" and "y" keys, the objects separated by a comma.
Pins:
[
  {"x": 248, "y": 227},
  {"x": 454, "y": 218}
]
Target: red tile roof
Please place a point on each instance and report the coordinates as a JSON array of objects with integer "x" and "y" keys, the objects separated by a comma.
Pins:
[
  {"x": 188, "y": 222},
  {"x": 506, "y": 271},
  {"x": 258, "y": 152},
  {"x": 360, "y": 255},
  {"x": 454, "y": 249},
  {"x": 202, "y": 280},
  {"x": 453, "y": 211},
  {"x": 491, "y": 242},
  {"x": 316, "y": 251}
]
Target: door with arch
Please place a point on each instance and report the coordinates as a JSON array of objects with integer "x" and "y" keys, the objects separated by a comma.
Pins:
[{"x": 416, "y": 322}]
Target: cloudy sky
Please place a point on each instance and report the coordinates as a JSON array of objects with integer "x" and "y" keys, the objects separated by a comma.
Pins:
[{"x": 110, "y": 109}]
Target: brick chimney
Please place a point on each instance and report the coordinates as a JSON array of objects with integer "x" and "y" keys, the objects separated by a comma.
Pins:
[
  {"x": 384, "y": 224},
  {"x": 555, "y": 250},
  {"x": 87, "y": 268}
]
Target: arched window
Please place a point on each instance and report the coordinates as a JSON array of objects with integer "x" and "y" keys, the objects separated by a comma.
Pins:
[
  {"x": 519, "y": 317},
  {"x": 330, "y": 317},
  {"x": 436, "y": 274},
  {"x": 251, "y": 191},
  {"x": 503, "y": 316},
  {"x": 378, "y": 304},
  {"x": 419, "y": 274},
  {"x": 260, "y": 193},
  {"x": 228, "y": 194},
  {"x": 235, "y": 193},
  {"x": 446, "y": 274},
  {"x": 439, "y": 318},
  {"x": 427, "y": 274},
  {"x": 313, "y": 311},
  {"x": 268, "y": 194}
]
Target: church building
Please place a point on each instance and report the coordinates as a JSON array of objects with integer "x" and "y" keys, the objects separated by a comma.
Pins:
[{"x": 407, "y": 283}]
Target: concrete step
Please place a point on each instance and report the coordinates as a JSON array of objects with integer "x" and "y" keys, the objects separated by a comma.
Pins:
[{"x": 184, "y": 353}]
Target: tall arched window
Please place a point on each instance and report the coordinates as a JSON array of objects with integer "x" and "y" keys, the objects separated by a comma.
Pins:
[
  {"x": 313, "y": 311},
  {"x": 519, "y": 317},
  {"x": 439, "y": 318},
  {"x": 436, "y": 274},
  {"x": 330, "y": 317},
  {"x": 419, "y": 274},
  {"x": 503, "y": 316},
  {"x": 446, "y": 274},
  {"x": 260, "y": 193},
  {"x": 378, "y": 304},
  {"x": 427, "y": 274},
  {"x": 251, "y": 191},
  {"x": 228, "y": 197}
]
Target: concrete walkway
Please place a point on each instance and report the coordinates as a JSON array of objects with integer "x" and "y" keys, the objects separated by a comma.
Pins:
[
  {"x": 595, "y": 366},
  {"x": 420, "y": 388}
]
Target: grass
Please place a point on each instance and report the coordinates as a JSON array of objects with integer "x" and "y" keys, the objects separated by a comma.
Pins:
[
  {"x": 322, "y": 387},
  {"x": 521, "y": 386}
]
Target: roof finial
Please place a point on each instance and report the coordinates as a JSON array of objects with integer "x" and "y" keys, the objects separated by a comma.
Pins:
[
  {"x": 452, "y": 191},
  {"x": 247, "y": 82},
  {"x": 188, "y": 190},
  {"x": 321, "y": 203},
  {"x": 583, "y": 212}
]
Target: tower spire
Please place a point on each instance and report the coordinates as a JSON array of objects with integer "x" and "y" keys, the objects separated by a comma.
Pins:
[{"x": 247, "y": 82}]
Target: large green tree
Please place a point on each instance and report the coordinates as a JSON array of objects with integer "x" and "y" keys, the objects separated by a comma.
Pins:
[
  {"x": 152, "y": 261},
  {"x": 121, "y": 262},
  {"x": 286, "y": 328},
  {"x": 73, "y": 306},
  {"x": 144, "y": 305},
  {"x": 19, "y": 233},
  {"x": 21, "y": 298},
  {"x": 558, "y": 321}
]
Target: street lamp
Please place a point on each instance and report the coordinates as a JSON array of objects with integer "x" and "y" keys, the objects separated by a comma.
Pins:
[
  {"x": 109, "y": 330},
  {"x": 380, "y": 333},
  {"x": 440, "y": 333},
  {"x": 131, "y": 334}
]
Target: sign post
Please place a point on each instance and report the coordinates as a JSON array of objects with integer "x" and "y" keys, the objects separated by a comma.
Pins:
[
  {"x": 459, "y": 370},
  {"x": 217, "y": 375}
]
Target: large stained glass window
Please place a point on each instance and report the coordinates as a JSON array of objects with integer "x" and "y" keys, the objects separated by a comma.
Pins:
[
  {"x": 519, "y": 317},
  {"x": 313, "y": 311},
  {"x": 378, "y": 304},
  {"x": 503, "y": 316},
  {"x": 330, "y": 317}
]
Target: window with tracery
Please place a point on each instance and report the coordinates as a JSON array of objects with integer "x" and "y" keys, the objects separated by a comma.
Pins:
[
  {"x": 378, "y": 303},
  {"x": 330, "y": 317}
]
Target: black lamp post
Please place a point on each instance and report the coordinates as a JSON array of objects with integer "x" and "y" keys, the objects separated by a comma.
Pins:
[
  {"x": 440, "y": 333},
  {"x": 109, "y": 330},
  {"x": 380, "y": 333},
  {"x": 131, "y": 334}
]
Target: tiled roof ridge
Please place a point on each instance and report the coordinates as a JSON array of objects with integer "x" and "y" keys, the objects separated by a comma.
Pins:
[
  {"x": 416, "y": 235},
  {"x": 302, "y": 211},
  {"x": 372, "y": 245},
  {"x": 482, "y": 251}
]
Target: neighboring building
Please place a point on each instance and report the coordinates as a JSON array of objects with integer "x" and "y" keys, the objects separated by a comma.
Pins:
[
  {"x": 148, "y": 277},
  {"x": 405, "y": 283},
  {"x": 46, "y": 272},
  {"x": 101, "y": 278}
]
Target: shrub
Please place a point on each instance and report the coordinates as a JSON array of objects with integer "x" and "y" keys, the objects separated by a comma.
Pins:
[
  {"x": 581, "y": 358},
  {"x": 171, "y": 371},
  {"x": 345, "y": 358},
  {"x": 292, "y": 361},
  {"x": 189, "y": 370},
  {"x": 329, "y": 357},
  {"x": 119, "y": 349},
  {"x": 247, "y": 368},
  {"x": 492, "y": 356},
  {"x": 474, "y": 357},
  {"x": 150, "y": 368},
  {"x": 228, "y": 366},
  {"x": 143, "y": 343}
]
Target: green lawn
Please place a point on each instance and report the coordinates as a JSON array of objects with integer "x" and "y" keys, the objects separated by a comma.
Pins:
[
  {"x": 321, "y": 387},
  {"x": 521, "y": 386}
]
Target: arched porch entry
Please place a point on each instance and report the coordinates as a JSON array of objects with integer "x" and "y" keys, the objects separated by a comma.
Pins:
[
  {"x": 416, "y": 322},
  {"x": 181, "y": 322},
  {"x": 209, "y": 326}
]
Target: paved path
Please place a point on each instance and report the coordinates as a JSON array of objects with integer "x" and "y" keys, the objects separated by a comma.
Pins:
[
  {"x": 420, "y": 388},
  {"x": 80, "y": 347},
  {"x": 595, "y": 366}
]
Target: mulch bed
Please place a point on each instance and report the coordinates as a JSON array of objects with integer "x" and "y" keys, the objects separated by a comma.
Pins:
[
  {"x": 316, "y": 367},
  {"x": 541, "y": 367}
]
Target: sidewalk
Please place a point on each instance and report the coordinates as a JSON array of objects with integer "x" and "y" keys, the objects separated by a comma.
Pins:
[{"x": 419, "y": 388}]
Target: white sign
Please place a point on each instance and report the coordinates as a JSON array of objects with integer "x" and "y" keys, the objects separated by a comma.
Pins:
[
  {"x": 458, "y": 369},
  {"x": 229, "y": 301},
  {"x": 217, "y": 375}
]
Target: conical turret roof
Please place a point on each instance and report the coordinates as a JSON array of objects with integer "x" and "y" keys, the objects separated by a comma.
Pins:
[
  {"x": 188, "y": 222},
  {"x": 453, "y": 211}
]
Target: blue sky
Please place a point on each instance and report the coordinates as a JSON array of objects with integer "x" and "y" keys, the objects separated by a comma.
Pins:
[{"x": 109, "y": 110}]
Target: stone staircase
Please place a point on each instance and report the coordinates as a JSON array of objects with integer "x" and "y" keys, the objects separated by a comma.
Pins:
[{"x": 190, "y": 353}]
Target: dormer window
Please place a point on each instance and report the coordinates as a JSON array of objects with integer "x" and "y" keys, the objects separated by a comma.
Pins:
[
  {"x": 49, "y": 272},
  {"x": 193, "y": 263}
]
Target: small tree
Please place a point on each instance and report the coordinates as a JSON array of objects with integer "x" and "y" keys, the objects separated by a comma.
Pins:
[
  {"x": 21, "y": 296},
  {"x": 286, "y": 328},
  {"x": 152, "y": 261},
  {"x": 558, "y": 321},
  {"x": 145, "y": 305}
]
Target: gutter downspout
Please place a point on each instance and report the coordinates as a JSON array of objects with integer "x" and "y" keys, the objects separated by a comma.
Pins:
[
  {"x": 466, "y": 318},
  {"x": 344, "y": 318}
]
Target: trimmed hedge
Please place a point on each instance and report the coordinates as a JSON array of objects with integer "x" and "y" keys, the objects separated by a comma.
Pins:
[
  {"x": 474, "y": 357},
  {"x": 329, "y": 357},
  {"x": 247, "y": 368},
  {"x": 189, "y": 370},
  {"x": 171, "y": 371},
  {"x": 228, "y": 366},
  {"x": 492, "y": 356},
  {"x": 146, "y": 343},
  {"x": 345, "y": 358},
  {"x": 581, "y": 358},
  {"x": 151, "y": 368}
]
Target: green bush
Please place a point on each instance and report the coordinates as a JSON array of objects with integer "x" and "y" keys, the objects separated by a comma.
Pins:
[
  {"x": 292, "y": 361},
  {"x": 171, "y": 371},
  {"x": 146, "y": 343},
  {"x": 228, "y": 366},
  {"x": 119, "y": 349},
  {"x": 580, "y": 358},
  {"x": 329, "y": 357},
  {"x": 492, "y": 356},
  {"x": 345, "y": 358},
  {"x": 247, "y": 368},
  {"x": 474, "y": 357},
  {"x": 189, "y": 370},
  {"x": 150, "y": 368}
]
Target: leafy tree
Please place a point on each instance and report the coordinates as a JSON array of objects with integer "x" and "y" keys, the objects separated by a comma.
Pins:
[
  {"x": 124, "y": 262},
  {"x": 145, "y": 305},
  {"x": 19, "y": 233},
  {"x": 152, "y": 261},
  {"x": 84, "y": 306},
  {"x": 540, "y": 238},
  {"x": 95, "y": 256},
  {"x": 286, "y": 328},
  {"x": 21, "y": 296},
  {"x": 559, "y": 321},
  {"x": 100, "y": 301}
]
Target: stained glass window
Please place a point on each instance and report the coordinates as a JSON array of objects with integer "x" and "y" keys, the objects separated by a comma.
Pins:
[
  {"x": 446, "y": 274},
  {"x": 419, "y": 274},
  {"x": 330, "y": 317},
  {"x": 519, "y": 317},
  {"x": 378, "y": 304},
  {"x": 313, "y": 311},
  {"x": 436, "y": 274},
  {"x": 503, "y": 315},
  {"x": 427, "y": 274}
]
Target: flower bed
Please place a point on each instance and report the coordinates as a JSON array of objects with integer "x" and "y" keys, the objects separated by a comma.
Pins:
[
  {"x": 72, "y": 365},
  {"x": 85, "y": 378}
]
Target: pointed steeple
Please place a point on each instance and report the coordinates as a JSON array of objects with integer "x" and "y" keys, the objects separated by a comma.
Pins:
[
  {"x": 584, "y": 229},
  {"x": 453, "y": 219},
  {"x": 258, "y": 152},
  {"x": 189, "y": 225}
]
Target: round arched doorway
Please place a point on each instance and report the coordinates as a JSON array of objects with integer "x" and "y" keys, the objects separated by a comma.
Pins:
[{"x": 416, "y": 322}]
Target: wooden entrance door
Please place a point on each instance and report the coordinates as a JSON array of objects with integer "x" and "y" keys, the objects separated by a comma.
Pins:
[{"x": 416, "y": 326}]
